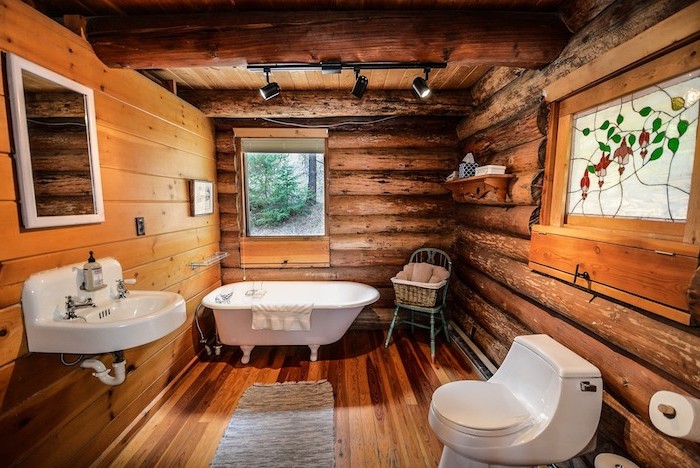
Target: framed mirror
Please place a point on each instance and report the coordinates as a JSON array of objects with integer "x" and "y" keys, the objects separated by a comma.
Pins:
[{"x": 55, "y": 147}]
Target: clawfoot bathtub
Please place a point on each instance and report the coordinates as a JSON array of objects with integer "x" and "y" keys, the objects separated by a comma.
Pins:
[{"x": 336, "y": 304}]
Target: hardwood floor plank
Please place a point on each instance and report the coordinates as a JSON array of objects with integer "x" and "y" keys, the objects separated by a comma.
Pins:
[{"x": 382, "y": 398}]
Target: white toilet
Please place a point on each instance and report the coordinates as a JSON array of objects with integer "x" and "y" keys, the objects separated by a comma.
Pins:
[{"x": 542, "y": 406}]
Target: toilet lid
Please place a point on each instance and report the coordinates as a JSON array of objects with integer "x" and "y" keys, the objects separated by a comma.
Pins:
[{"x": 480, "y": 408}]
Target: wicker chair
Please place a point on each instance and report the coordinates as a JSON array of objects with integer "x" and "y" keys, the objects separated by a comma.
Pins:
[{"x": 421, "y": 301}]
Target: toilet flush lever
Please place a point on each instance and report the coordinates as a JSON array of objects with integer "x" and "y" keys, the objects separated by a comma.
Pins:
[{"x": 588, "y": 387}]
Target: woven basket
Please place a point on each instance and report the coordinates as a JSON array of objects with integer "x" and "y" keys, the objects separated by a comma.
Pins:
[{"x": 416, "y": 295}]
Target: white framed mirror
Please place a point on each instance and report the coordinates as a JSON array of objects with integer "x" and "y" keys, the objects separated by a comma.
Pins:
[{"x": 55, "y": 146}]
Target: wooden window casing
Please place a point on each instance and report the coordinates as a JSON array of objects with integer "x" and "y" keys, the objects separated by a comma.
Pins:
[
  {"x": 281, "y": 251},
  {"x": 648, "y": 264}
]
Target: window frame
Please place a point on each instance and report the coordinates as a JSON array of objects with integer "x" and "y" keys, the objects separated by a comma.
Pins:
[
  {"x": 671, "y": 247},
  {"x": 280, "y": 251}
]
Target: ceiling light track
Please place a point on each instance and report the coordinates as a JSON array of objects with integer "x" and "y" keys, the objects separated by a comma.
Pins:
[
  {"x": 336, "y": 67},
  {"x": 420, "y": 85}
]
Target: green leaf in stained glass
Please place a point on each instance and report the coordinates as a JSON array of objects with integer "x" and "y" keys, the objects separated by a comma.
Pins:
[
  {"x": 586, "y": 131},
  {"x": 605, "y": 125},
  {"x": 620, "y": 118},
  {"x": 645, "y": 111},
  {"x": 682, "y": 127},
  {"x": 603, "y": 147},
  {"x": 631, "y": 139},
  {"x": 659, "y": 136},
  {"x": 611, "y": 130},
  {"x": 656, "y": 125},
  {"x": 616, "y": 138},
  {"x": 591, "y": 169},
  {"x": 673, "y": 144},
  {"x": 656, "y": 154}
]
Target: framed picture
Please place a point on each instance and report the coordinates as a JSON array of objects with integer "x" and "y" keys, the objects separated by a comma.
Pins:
[{"x": 201, "y": 197}]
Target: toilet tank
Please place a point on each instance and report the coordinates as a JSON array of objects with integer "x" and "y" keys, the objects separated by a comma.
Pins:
[{"x": 536, "y": 369}]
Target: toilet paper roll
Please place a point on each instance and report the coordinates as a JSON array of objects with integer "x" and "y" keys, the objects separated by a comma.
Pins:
[{"x": 685, "y": 424}]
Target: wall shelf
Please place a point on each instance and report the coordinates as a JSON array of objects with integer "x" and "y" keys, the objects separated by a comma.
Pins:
[
  {"x": 474, "y": 188},
  {"x": 215, "y": 258}
]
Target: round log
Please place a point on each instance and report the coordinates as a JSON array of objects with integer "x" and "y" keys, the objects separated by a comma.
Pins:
[
  {"x": 508, "y": 246},
  {"x": 226, "y": 183},
  {"x": 398, "y": 159},
  {"x": 492, "y": 81},
  {"x": 526, "y": 157},
  {"x": 501, "y": 326},
  {"x": 325, "y": 103},
  {"x": 509, "y": 220},
  {"x": 399, "y": 139},
  {"x": 659, "y": 344},
  {"x": 528, "y": 125},
  {"x": 645, "y": 444},
  {"x": 487, "y": 343},
  {"x": 430, "y": 206},
  {"x": 391, "y": 241},
  {"x": 618, "y": 23},
  {"x": 386, "y": 183},
  {"x": 363, "y": 257},
  {"x": 387, "y": 223}
]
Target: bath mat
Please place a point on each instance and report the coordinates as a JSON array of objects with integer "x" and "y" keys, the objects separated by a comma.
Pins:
[{"x": 280, "y": 425}]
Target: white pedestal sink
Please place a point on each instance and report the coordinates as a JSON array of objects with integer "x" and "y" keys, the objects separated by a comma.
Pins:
[{"x": 112, "y": 325}]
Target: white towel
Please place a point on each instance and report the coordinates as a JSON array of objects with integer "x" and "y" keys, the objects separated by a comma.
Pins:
[{"x": 290, "y": 317}]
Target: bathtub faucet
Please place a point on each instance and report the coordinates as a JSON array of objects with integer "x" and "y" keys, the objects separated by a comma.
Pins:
[{"x": 256, "y": 292}]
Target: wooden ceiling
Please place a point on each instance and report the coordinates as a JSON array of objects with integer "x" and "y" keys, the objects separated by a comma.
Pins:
[{"x": 237, "y": 77}]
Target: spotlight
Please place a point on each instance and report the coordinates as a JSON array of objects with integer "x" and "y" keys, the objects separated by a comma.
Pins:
[
  {"x": 360, "y": 87},
  {"x": 420, "y": 85},
  {"x": 270, "y": 90}
]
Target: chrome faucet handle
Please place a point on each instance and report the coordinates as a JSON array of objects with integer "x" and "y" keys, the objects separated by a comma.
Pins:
[{"x": 122, "y": 292}]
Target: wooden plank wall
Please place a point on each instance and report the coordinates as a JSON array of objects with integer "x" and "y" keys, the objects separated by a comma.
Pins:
[
  {"x": 150, "y": 143},
  {"x": 497, "y": 297},
  {"x": 385, "y": 199}
]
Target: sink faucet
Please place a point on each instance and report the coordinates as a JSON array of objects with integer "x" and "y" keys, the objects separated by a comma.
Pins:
[
  {"x": 71, "y": 306},
  {"x": 122, "y": 292}
]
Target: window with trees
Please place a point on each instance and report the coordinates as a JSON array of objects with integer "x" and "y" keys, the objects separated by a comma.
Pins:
[{"x": 283, "y": 197}]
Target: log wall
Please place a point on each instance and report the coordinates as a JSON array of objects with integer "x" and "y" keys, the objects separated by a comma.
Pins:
[
  {"x": 150, "y": 143},
  {"x": 385, "y": 199},
  {"x": 497, "y": 297}
]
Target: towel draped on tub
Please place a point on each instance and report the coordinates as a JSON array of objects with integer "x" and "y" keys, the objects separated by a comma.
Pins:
[{"x": 289, "y": 317}]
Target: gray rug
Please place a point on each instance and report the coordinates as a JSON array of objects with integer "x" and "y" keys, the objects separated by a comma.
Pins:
[{"x": 280, "y": 425}]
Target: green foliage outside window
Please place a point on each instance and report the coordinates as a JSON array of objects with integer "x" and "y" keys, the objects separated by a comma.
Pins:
[{"x": 275, "y": 192}]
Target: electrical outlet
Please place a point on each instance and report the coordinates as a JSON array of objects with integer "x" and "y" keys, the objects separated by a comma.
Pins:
[{"x": 140, "y": 227}]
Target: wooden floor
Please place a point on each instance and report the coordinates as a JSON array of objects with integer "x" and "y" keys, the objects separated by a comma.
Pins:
[{"x": 381, "y": 401}]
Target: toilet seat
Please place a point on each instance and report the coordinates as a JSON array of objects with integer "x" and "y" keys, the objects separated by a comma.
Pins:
[{"x": 480, "y": 408}]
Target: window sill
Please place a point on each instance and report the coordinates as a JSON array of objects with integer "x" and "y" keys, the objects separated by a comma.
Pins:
[{"x": 285, "y": 252}]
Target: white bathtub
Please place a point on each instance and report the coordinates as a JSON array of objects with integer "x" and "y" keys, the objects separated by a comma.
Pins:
[{"x": 336, "y": 304}]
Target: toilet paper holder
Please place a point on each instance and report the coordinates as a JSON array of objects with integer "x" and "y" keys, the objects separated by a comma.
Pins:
[{"x": 667, "y": 410}]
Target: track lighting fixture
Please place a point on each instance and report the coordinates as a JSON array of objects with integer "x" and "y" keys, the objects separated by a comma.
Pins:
[
  {"x": 420, "y": 85},
  {"x": 270, "y": 90},
  {"x": 361, "y": 82}
]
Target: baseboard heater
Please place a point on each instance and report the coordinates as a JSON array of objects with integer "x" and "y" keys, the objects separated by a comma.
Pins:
[{"x": 481, "y": 363}]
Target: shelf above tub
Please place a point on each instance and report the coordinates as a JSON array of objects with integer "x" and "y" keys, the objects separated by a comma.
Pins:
[{"x": 216, "y": 258}]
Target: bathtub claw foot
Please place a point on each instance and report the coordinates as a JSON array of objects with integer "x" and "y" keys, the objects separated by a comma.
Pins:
[
  {"x": 246, "y": 353},
  {"x": 314, "y": 351}
]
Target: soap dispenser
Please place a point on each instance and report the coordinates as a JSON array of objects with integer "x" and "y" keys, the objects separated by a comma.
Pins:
[{"x": 92, "y": 275}]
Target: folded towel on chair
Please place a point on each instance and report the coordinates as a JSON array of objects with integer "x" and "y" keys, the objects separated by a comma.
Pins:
[{"x": 291, "y": 317}]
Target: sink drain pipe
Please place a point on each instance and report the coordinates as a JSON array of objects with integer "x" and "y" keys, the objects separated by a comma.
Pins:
[{"x": 101, "y": 371}]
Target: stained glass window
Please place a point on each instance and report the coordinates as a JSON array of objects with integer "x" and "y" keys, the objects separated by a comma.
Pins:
[{"x": 633, "y": 157}]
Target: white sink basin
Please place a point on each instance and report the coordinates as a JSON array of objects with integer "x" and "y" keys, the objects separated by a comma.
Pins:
[{"x": 112, "y": 325}]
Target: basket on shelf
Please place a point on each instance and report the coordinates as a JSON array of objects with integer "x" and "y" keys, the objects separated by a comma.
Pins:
[{"x": 418, "y": 294}]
